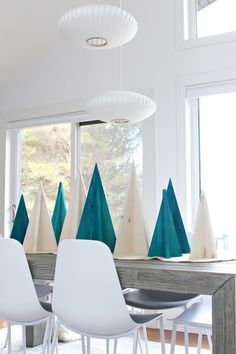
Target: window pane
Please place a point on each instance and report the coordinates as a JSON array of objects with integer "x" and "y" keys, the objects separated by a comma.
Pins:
[
  {"x": 217, "y": 17},
  {"x": 218, "y": 166},
  {"x": 46, "y": 158},
  {"x": 114, "y": 148}
]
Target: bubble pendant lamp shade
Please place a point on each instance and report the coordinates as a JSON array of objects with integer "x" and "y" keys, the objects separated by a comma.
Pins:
[
  {"x": 120, "y": 106},
  {"x": 98, "y": 26}
]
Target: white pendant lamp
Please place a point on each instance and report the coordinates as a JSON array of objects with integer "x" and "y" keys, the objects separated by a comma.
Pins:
[
  {"x": 120, "y": 106},
  {"x": 98, "y": 26}
]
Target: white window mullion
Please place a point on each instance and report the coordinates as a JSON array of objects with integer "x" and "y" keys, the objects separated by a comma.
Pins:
[
  {"x": 193, "y": 160},
  {"x": 74, "y": 149},
  {"x": 191, "y": 14},
  {"x": 149, "y": 171},
  {"x": 13, "y": 176},
  {"x": 16, "y": 165}
]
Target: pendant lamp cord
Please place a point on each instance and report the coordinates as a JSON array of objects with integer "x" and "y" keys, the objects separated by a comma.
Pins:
[
  {"x": 120, "y": 59},
  {"x": 120, "y": 74}
]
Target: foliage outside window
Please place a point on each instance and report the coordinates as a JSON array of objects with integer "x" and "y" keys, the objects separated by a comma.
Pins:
[
  {"x": 113, "y": 147},
  {"x": 46, "y": 158}
]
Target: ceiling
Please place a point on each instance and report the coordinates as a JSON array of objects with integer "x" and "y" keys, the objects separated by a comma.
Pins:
[{"x": 28, "y": 30}]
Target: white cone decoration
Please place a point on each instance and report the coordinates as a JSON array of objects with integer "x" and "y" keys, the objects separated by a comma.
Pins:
[
  {"x": 203, "y": 244},
  {"x": 40, "y": 236},
  {"x": 133, "y": 236},
  {"x": 75, "y": 209}
]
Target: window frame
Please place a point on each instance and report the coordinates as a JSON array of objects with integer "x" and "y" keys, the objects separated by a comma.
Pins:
[
  {"x": 188, "y": 89},
  {"x": 186, "y": 28},
  {"x": 13, "y": 154}
]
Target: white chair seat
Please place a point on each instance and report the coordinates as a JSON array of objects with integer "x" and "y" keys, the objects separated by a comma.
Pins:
[
  {"x": 22, "y": 317},
  {"x": 199, "y": 314},
  {"x": 157, "y": 300},
  {"x": 43, "y": 290},
  {"x": 142, "y": 319}
]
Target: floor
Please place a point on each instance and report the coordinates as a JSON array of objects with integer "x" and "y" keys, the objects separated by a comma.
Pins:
[
  {"x": 2, "y": 324},
  {"x": 154, "y": 336},
  {"x": 97, "y": 346}
]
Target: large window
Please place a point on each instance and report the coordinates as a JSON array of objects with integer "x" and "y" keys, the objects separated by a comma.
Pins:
[
  {"x": 46, "y": 159},
  {"x": 113, "y": 148},
  {"x": 216, "y": 17},
  {"x": 218, "y": 168},
  {"x": 52, "y": 152},
  {"x": 204, "y": 18},
  {"x": 216, "y": 127}
]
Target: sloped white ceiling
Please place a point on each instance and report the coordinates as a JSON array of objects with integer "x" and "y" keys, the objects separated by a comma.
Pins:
[{"x": 28, "y": 29}]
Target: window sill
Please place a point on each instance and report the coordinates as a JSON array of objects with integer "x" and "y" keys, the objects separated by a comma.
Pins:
[{"x": 183, "y": 44}]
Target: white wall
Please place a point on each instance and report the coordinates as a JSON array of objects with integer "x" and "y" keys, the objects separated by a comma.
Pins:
[{"x": 65, "y": 77}]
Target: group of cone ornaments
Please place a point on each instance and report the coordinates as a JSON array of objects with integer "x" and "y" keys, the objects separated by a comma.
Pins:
[{"x": 133, "y": 237}]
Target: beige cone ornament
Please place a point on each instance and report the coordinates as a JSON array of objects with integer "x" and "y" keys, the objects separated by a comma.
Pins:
[
  {"x": 133, "y": 235},
  {"x": 203, "y": 243},
  {"x": 75, "y": 209},
  {"x": 40, "y": 236}
]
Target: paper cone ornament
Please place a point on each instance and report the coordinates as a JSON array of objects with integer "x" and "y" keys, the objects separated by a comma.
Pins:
[
  {"x": 203, "y": 243},
  {"x": 133, "y": 236},
  {"x": 21, "y": 222},
  {"x": 40, "y": 235},
  {"x": 59, "y": 213},
  {"x": 165, "y": 242},
  {"x": 96, "y": 221},
  {"x": 75, "y": 209},
  {"x": 177, "y": 219}
]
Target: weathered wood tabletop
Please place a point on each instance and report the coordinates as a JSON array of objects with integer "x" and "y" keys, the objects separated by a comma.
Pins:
[{"x": 216, "y": 279}]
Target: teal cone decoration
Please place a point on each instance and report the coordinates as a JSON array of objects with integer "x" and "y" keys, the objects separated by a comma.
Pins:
[
  {"x": 96, "y": 223},
  {"x": 21, "y": 222},
  {"x": 177, "y": 219},
  {"x": 59, "y": 213},
  {"x": 165, "y": 242}
]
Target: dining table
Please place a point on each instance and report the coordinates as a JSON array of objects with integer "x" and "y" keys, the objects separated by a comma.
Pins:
[{"x": 217, "y": 279}]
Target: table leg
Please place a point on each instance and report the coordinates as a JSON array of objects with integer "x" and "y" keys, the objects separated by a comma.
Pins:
[
  {"x": 223, "y": 317},
  {"x": 35, "y": 334}
]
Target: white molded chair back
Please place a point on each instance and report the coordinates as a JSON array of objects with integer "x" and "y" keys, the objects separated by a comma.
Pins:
[
  {"x": 18, "y": 298},
  {"x": 87, "y": 295}
]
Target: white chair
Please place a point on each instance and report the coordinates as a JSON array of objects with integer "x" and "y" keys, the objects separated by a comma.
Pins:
[
  {"x": 199, "y": 316},
  {"x": 156, "y": 300},
  {"x": 87, "y": 296},
  {"x": 42, "y": 291},
  {"x": 19, "y": 303}
]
